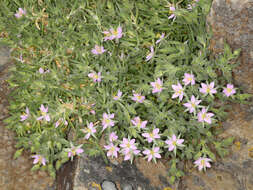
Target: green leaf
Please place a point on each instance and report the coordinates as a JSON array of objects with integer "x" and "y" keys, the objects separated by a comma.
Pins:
[
  {"x": 52, "y": 174},
  {"x": 242, "y": 97},
  {"x": 35, "y": 167},
  {"x": 172, "y": 179},
  {"x": 58, "y": 164},
  {"x": 227, "y": 142},
  {"x": 198, "y": 155},
  {"x": 131, "y": 109},
  {"x": 18, "y": 153},
  {"x": 58, "y": 145}
]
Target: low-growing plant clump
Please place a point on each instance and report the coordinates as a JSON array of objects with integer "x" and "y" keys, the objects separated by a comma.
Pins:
[{"x": 136, "y": 75}]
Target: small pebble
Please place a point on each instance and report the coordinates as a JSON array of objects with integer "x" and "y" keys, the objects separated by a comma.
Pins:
[
  {"x": 86, "y": 171},
  {"x": 92, "y": 188},
  {"x": 127, "y": 187},
  {"x": 108, "y": 185}
]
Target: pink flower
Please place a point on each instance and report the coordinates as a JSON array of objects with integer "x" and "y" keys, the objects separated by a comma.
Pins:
[
  {"x": 89, "y": 130},
  {"x": 39, "y": 159},
  {"x": 229, "y": 90},
  {"x": 60, "y": 121},
  {"x": 192, "y": 104},
  {"x": 152, "y": 154},
  {"x": 189, "y": 78},
  {"x": 203, "y": 116},
  {"x": 107, "y": 122},
  {"x": 179, "y": 91},
  {"x": 20, "y": 13},
  {"x": 138, "y": 123},
  {"x": 113, "y": 34},
  {"x": 130, "y": 155},
  {"x": 93, "y": 112},
  {"x": 172, "y": 10},
  {"x": 98, "y": 50},
  {"x": 151, "y": 54},
  {"x": 152, "y": 136},
  {"x": 190, "y": 7},
  {"x": 118, "y": 96},
  {"x": 44, "y": 114},
  {"x": 207, "y": 88},
  {"x": 95, "y": 77},
  {"x": 75, "y": 150},
  {"x": 128, "y": 145},
  {"x": 157, "y": 86},
  {"x": 21, "y": 59},
  {"x": 117, "y": 34},
  {"x": 112, "y": 150},
  {"x": 25, "y": 116},
  {"x": 113, "y": 137},
  {"x": 138, "y": 97},
  {"x": 41, "y": 71},
  {"x": 203, "y": 163},
  {"x": 108, "y": 35},
  {"x": 160, "y": 39},
  {"x": 173, "y": 142}
]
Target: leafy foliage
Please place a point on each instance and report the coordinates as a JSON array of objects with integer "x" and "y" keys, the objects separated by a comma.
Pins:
[{"x": 52, "y": 45}]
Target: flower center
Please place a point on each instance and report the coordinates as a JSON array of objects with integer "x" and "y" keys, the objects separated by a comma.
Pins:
[
  {"x": 138, "y": 124},
  {"x": 193, "y": 104},
  {"x": 189, "y": 79},
  {"x": 179, "y": 91},
  {"x": 158, "y": 86},
  {"x": 202, "y": 162},
  {"x": 229, "y": 90},
  {"x": 203, "y": 115},
  {"x": 115, "y": 32},
  {"x": 107, "y": 121},
  {"x": 40, "y": 159},
  {"x": 99, "y": 50},
  {"x": 139, "y": 97},
  {"x": 88, "y": 130},
  {"x": 112, "y": 149},
  {"x": 95, "y": 76},
  {"x": 174, "y": 143}
]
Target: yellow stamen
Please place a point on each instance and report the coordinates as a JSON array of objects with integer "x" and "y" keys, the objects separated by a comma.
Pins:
[{"x": 115, "y": 32}]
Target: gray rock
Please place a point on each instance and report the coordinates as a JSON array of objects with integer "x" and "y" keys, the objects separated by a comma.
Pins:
[{"x": 108, "y": 185}]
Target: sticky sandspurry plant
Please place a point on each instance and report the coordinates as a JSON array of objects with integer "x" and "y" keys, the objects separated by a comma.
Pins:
[{"x": 129, "y": 78}]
